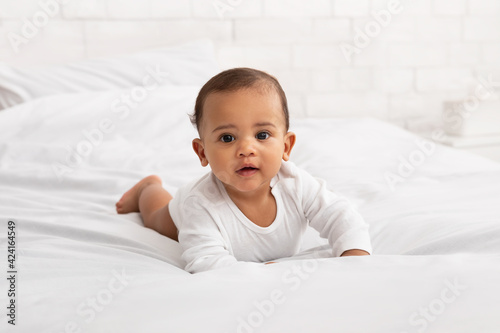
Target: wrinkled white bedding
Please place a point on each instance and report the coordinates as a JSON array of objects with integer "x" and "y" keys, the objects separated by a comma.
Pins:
[{"x": 66, "y": 159}]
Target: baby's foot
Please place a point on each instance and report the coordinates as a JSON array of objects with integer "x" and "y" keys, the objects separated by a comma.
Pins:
[{"x": 129, "y": 202}]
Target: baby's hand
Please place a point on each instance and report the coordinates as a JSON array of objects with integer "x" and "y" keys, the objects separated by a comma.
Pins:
[{"x": 354, "y": 252}]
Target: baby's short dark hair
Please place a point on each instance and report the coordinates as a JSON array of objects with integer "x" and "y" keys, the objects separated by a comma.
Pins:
[{"x": 233, "y": 80}]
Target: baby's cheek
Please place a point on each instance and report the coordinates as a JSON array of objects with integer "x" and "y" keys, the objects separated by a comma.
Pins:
[{"x": 223, "y": 176}]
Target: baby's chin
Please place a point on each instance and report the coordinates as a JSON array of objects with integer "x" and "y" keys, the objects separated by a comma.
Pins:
[{"x": 246, "y": 186}]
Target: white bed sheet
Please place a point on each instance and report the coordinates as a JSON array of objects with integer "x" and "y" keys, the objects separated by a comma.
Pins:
[{"x": 436, "y": 236}]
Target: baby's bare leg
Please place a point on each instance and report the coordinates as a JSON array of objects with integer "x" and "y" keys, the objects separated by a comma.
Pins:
[{"x": 150, "y": 199}]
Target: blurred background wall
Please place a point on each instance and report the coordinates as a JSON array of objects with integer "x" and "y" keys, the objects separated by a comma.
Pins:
[{"x": 393, "y": 60}]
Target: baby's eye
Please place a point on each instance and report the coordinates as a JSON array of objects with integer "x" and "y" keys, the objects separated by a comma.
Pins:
[
  {"x": 262, "y": 135},
  {"x": 227, "y": 138}
]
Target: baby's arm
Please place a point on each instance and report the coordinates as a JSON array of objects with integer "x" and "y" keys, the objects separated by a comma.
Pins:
[
  {"x": 205, "y": 247},
  {"x": 334, "y": 217}
]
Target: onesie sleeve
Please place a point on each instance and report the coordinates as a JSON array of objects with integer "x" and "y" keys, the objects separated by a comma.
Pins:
[
  {"x": 332, "y": 215},
  {"x": 202, "y": 241}
]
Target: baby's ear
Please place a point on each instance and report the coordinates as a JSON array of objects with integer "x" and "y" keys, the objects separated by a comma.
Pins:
[
  {"x": 200, "y": 151},
  {"x": 289, "y": 143}
]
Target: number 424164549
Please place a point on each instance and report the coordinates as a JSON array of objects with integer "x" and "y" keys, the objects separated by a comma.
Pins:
[{"x": 11, "y": 249}]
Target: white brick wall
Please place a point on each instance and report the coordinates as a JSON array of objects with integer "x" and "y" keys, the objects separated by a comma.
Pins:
[
  {"x": 266, "y": 31},
  {"x": 297, "y": 8},
  {"x": 349, "y": 8},
  {"x": 449, "y": 8},
  {"x": 402, "y": 68}
]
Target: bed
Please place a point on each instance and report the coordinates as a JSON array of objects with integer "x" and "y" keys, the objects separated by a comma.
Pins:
[{"x": 69, "y": 151}]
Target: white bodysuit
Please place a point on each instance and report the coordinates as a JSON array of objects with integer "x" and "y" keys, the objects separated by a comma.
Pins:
[{"x": 214, "y": 233}]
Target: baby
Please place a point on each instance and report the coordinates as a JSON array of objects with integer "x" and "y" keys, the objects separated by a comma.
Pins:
[{"x": 254, "y": 205}]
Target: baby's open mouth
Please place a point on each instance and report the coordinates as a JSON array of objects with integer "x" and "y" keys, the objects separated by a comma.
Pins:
[
  {"x": 247, "y": 171},
  {"x": 247, "y": 168}
]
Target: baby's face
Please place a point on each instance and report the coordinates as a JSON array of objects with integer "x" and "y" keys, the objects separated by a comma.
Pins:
[{"x": 243, "y": 138}]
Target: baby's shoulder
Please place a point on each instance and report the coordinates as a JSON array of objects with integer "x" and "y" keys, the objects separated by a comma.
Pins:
[
  {"x": 291, "y": 174},
  {"x": 203, "y": 191},
  {"x": 294, "y": 180},
  {"x": 288, "y": 170}
]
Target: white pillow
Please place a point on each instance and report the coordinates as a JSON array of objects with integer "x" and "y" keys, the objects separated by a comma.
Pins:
[{"x": 187, "y": 64}]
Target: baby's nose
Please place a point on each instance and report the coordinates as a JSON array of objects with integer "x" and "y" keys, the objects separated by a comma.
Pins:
[{"x": 246, "y": 147}]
